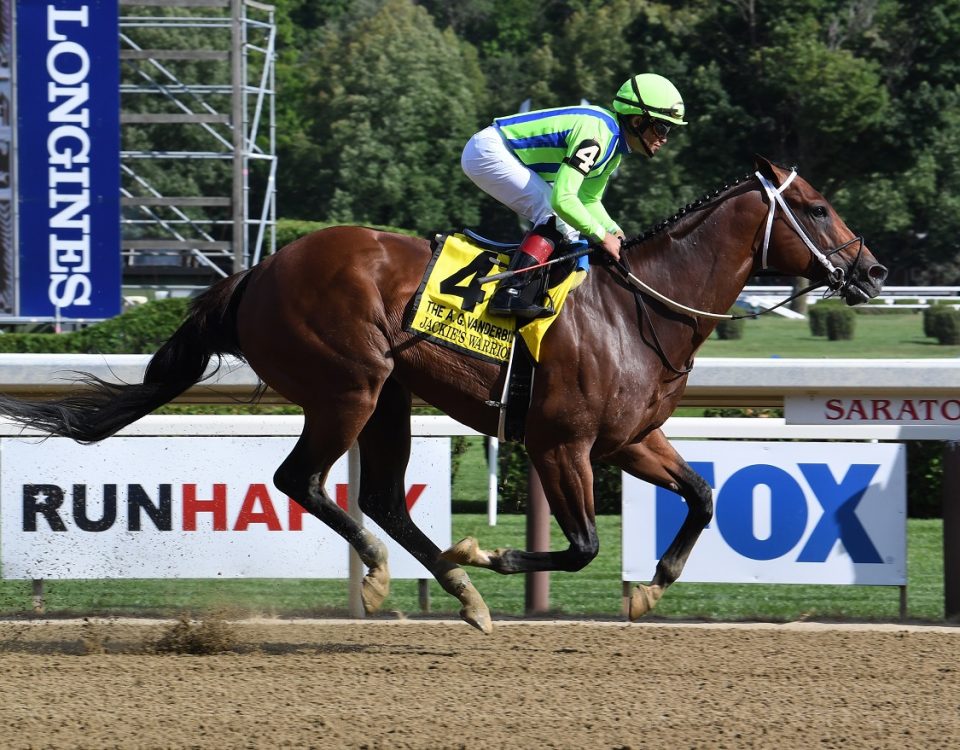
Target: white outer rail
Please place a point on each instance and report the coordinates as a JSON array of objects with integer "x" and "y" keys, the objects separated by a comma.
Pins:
[
  {"x": 714, "y": 381},
  {"x": 439, "y": 425}
]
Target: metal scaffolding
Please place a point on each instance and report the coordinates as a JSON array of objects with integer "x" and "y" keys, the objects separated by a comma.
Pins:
[{"x": 198, "y": 155}]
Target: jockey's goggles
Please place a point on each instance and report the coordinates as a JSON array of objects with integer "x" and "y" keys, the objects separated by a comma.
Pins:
[{"x": 660, "y": 128}]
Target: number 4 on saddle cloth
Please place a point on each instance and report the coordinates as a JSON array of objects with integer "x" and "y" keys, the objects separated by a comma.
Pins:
[{"x": 450, "y": 309}]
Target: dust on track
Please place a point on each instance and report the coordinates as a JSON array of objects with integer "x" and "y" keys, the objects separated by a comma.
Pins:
[{"x": 421, "y": 683}]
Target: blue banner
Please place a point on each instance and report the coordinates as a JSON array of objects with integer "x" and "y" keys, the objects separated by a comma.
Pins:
[{"x": 68, "y": 119}]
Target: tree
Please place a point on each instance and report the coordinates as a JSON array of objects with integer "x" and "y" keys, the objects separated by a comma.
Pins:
[
  {"x": 862, "y": 95},
  {"x": 825, "y": 102},
  {"x": 387, "y": 103}
]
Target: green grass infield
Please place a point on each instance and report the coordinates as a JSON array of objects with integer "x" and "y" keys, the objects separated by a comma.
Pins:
[{"x": 593, "y": 592}]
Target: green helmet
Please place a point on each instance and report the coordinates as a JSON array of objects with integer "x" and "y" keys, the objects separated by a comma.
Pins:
[{"x": 653, "y": 95}]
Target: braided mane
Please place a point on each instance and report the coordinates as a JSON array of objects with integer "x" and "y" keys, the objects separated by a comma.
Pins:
[{"x": 702, "y": 201}]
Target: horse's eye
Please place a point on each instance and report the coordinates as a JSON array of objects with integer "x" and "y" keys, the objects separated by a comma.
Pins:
[{"x": 818, "y": 212}]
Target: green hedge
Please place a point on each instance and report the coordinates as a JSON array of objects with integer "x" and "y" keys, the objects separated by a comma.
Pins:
[
  {"x": 924, "y": 478},
  {"x": 512, "y": 471},
  {"x": 929, "y": 314},
  {"x": 817, "y": 315},
  {"x": 732, "y": 329},
  {"x": 140, "y": 330},
  {"x": 289, "y": 230},
  {"x": 924, "y": 474},
  {"x": 942, "y": 322},
  {"x": 841, "y": 322}
]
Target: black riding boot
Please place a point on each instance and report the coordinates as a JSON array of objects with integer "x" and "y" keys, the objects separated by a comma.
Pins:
[
  {"x": 515, "y": 294},
  {"x": 508, "y": 299}
]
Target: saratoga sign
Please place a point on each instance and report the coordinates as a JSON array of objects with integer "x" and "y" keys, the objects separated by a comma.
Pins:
[{"x": 818, "y": 409}]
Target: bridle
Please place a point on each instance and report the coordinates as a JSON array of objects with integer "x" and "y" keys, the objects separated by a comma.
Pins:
[{"x": 837, "y": 280}]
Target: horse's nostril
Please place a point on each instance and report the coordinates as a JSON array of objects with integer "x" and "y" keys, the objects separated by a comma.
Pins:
[{"x": 877, "y": 273}]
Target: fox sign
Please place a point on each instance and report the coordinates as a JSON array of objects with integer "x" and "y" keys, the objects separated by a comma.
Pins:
[{"x": 783, "y": 513}]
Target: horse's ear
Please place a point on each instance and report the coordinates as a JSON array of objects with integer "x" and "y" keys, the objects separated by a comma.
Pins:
[
  {"x": 765, "y": 167},
  {"x": 768, "y": 169}
]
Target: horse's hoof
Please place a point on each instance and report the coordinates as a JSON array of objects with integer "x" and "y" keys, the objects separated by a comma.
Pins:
[
  {"x": 479, "y": 617},
  {"x": 375, "y": 588},
  {"x": 465, "y": 552},
  {"x": 643, "y": 599}
]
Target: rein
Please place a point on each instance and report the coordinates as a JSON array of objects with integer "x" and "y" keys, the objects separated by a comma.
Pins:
[
  {"x": 837, "y": 279},
  {"x": 641, "y": 313},
  {"x": 640, "y": 286}
]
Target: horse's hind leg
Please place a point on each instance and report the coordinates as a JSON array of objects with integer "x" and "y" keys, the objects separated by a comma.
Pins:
[
  {"x": 654, "y": 460},
  {"x": 567, "y": 479},
  {"x": 384, "y": 453},
  {"x": 302, "y": 476}
]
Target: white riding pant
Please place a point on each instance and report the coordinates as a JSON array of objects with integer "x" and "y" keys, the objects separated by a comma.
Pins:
[{"x": 494, "y": 168}]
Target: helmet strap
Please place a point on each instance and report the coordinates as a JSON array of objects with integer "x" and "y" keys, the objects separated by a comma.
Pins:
[
  {"x": 634, "y": 130},
  {"x": 637, "y": 131}
]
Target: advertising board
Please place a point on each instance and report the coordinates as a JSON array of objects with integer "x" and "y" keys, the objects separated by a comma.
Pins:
[
  {"x": 188, "y": 508},
  {"x": 68, "y": 158},
  {"x": 784, "y": 513},
  {"x": 872, "y": 410}
]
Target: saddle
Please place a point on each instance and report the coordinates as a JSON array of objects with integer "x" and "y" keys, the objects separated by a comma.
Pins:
[
  {"x": 449, "y": 309},
  {"x": 551, "y": 275}
]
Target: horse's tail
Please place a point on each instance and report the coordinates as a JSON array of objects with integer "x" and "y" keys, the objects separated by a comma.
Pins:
[{"x": 102, "y": 408}]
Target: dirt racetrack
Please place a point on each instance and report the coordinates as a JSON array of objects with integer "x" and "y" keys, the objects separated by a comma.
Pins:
[{"x": 432, "y": 684}]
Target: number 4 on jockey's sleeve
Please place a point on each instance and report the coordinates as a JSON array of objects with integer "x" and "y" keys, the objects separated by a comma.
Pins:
[{"x": 551, "y": 166}]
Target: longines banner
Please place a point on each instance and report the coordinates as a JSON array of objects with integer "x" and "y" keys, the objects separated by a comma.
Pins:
[
  {"x": 188, "y": 508},
  {"x": 68, "y": 126}
]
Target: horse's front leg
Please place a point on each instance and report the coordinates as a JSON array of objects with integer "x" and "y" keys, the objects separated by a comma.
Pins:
[
  {"x": 567, "y": 478},
  {"x": 654, "y": 460},
  {"x": 384, "y": 453}
]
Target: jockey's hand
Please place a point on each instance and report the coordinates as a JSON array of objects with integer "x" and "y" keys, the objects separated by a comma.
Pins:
[{"x": 611, "y": 243}]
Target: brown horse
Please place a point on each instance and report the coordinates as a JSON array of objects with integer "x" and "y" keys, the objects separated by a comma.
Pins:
[{"x": 321, "y": 323}]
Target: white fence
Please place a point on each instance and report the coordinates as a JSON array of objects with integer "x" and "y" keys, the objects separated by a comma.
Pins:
[
  {"x": 904, "y": 297},
  {"x": 713, "y": 382}
]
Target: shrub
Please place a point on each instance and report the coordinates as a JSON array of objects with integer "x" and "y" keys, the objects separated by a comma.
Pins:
[
  {"x": 289, "y": 230},
  {"x": 930, "y": 315},
  {"x": 512, "y": 471},
  {"x": 36, "y": 343},
  {"x": 925, "y": 479},
  {"x": 944, "y": 325},
  {"x": 732, "y": 329},
  {"x": 817, "y": 316},
  {"x": 841, "y": 322},
  {"x": 140, "y": 330}
]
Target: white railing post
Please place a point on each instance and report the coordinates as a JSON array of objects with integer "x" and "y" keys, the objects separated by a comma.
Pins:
[{"x": 493, "y": 451}]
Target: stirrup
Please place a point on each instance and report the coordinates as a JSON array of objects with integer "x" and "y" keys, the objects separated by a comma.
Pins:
[{"x": 511, "y": 303}]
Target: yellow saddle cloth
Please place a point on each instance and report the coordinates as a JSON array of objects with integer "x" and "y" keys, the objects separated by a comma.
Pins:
[{"x": 450, "y": 307}]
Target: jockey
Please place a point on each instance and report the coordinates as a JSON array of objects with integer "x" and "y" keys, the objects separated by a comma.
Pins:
[{"x": 551, "y": 166}]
